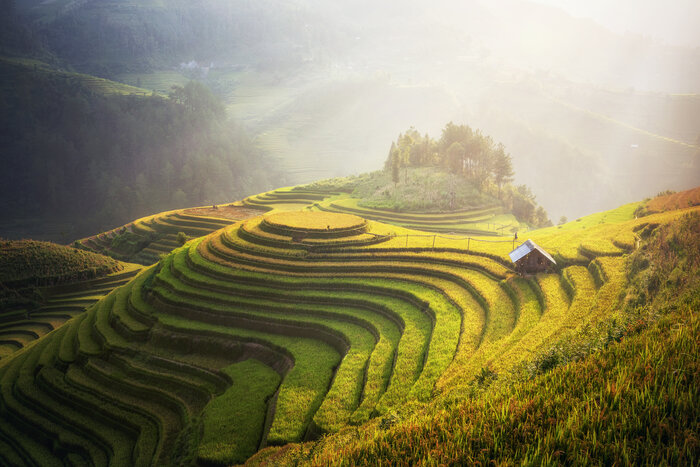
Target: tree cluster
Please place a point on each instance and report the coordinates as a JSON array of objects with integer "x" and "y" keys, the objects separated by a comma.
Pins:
[
  {"x": 468, "y": 153},
  {"x": 101, "y": 160}
]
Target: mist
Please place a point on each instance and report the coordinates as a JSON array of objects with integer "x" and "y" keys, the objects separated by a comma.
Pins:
[
  {"x": 673, "y": 23},
  {"x": 593, "y": 118},
  {"x": 597, "y": 103}
]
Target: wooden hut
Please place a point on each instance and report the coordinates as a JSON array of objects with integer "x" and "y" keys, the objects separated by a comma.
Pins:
[{"x": 530, "y": 258}]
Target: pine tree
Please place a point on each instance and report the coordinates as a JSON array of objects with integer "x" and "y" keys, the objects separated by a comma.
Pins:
[
  {"x": 395, "y": 169},
  {"x": 502, "y": 168}
]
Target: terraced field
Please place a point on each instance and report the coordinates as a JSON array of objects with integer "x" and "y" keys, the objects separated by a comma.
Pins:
[
  {"x": 288, "y": 199},
  {"x": 62, "y": 303},
  {"x": 483, "y": 221},
  {"x": 145, "y": 240},
  {"x": 286, "y": 326},
  {"x": 16, "y": 69}
]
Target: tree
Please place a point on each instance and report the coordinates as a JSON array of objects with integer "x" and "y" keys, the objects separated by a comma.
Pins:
[
  {"x": 392, "y": 163},
  {"x": 541, "y": 219},
  {"x": 198, "y": 99},
  {"x": 455, "y": 155},
  {"x": 482, "y": 159},
  {"x": 502, "y": 168},
  {"x": 390, "y": 157},
  {"x": 395, "y": 170}
]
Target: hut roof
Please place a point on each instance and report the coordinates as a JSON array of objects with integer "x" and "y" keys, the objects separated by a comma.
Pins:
[{"x": 525, "y": 249}]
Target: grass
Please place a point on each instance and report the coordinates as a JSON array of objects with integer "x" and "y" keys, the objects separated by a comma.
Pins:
[
  {"x": 53, "y": 282},
  {"x": 34, "y": 263},
  {"x": 628, "y": 404},
  {"x": 225, "y": 440},
  {"x": 371, "y": 310},
  {"x": 425, "y": 353},
  {"x": 419, "y": 189},
  {"x": 14, "y": 70},
  {"x": 474, "y": 214},
  {"x": 416, "y": 325},
  {"x": 344, "y": 395},
  {"x": 477, "y": 221},
  {"x": 300, "y": 394},
  {"x": 159, "y": 81},
  {"x": 632, "y": 401},
  {"x": 144, "y": 240},
  {"x": 445, "y": 333},
  {"x": 310, "y": 221},
  {"x": 674, "y": 201}
]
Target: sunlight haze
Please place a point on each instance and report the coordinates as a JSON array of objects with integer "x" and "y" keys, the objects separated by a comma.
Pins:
[{"x": 676, "y": 22}]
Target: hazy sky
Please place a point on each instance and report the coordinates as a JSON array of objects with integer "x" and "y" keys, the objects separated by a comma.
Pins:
[{"x": 675, "y": 22}]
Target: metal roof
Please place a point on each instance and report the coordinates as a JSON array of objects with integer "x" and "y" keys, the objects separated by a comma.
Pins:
[{"x": 526, "y": 248}]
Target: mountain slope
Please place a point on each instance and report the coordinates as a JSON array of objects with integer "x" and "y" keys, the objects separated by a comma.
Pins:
[
  {"x": 633, "y": 400},
  {"x": 92, "y": 153},
  {"x": 346, "y": 325}
]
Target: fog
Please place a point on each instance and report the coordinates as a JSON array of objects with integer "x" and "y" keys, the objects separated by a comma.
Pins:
[
  {"x": 597, "y": 102},
  {"x": 673, "y": 22},
  {"x": 592, "y": 117}
]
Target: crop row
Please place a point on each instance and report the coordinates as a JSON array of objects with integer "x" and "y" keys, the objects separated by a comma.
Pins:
[
  {"x": 145, "y": 240},
  {"x": 99, "y": 396},
  {"x": 61, "y": 303},
  {"x": 330, "y": 336},
  {"x": 321, "y": 303},
  {"x": 516, "y": 327},
  {"x": 463, "y": 215},
  {"x": 415, "y": 274},
  {"x": 478, "y": 222},
  {"x": 253, "y": 232}
]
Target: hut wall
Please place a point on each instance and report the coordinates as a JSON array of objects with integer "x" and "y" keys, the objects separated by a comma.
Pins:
[{"x": 534, "y": 262}]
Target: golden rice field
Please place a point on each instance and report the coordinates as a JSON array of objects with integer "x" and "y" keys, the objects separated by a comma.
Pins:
[{"x": 287, "y": 326}]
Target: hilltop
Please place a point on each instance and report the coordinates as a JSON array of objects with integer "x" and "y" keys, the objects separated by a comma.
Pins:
[
  {"x": 43, "y": 263},
  {"x": 28, "y": 264},
  {"x": 43, "y": 285},
  {"x": 420, "y": 202},
  {"x": 391, "y": 342}
]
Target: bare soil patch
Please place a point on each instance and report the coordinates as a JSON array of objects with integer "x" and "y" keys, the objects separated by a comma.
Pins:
[{"x": 684, "y": 199}]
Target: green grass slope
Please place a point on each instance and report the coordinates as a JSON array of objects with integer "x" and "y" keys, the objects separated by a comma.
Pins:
[
  {"x": 15, "y": 70},
  {"x": 285, "y": 327},
  {"x": 35, "y": 263},
  {"x": 45, "y": 284}
]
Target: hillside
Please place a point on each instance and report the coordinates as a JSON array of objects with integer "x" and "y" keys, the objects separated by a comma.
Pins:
[
  {"x": 84, "y": 154},
  {"x": 620, "y": 392},
  {"x": 405, "y": 302},
  {"x": 419, "y": 202},
  {"x": 42, "y": 263},
  {"x": 145, "y": 240},
  {"x": 43, "y": 285},
  {"x": 286, "y": 326},
  {"x": 321, "y": 87}
]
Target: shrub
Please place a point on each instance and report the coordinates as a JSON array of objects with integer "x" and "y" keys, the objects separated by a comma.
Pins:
[{"x": 181, "y": 238}]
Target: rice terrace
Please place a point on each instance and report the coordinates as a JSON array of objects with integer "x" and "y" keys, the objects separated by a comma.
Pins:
[
  {"x": 349, "y": 233},
  {"x": 348, "y": 334}
]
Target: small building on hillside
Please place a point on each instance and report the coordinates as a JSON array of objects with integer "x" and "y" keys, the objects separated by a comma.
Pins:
[{"x": 530, "y": 258}]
